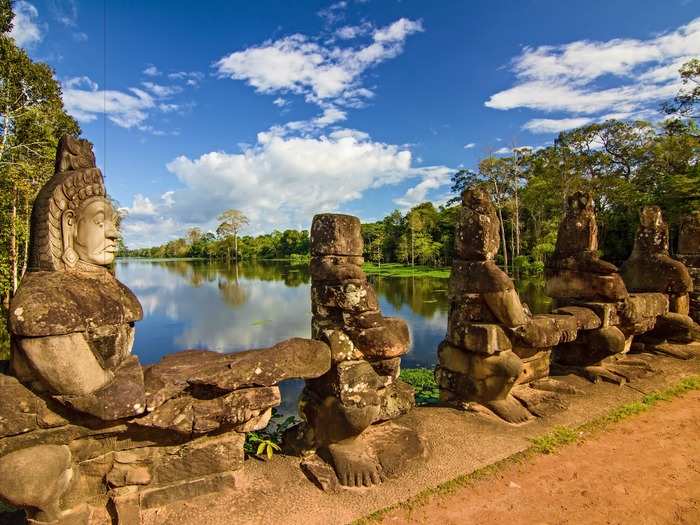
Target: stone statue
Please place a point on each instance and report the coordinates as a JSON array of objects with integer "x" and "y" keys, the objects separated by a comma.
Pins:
[
  {"x": 574, "y": 270},
  {"x": 81, "y": 422},
  {"x": 689, "y": 254},
  {"x": 362, "y": 387},
  {"x": 71, "y": 320}
]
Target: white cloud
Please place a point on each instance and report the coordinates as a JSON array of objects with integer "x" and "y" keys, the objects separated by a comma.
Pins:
[
  {"x": 280, "y": 102},
  {"x": 350, "y": 32},
  {"x": 619, "y": 76},
  {"x": 26, "y": 30},
  {"x": 547, "y": 125},
  {"x": 280, "y": 182},
  {"x": 65, "y": 12},
  {"x": 297, "y": 64},
  {"x": 503, "y": 151},
  {"x": 470, "y": 145},
  {"x": 125, "y": 109},
  {"x": 160, "y": 90},
  {"x": 434, "y": 177},
  {"x": 191, "y": 78},
  {"x": 151, "y": 71},
  {"x": 333, "y": 13},
  {"x": 140, "y": 206},
  {"x": 168, "y": 108}
]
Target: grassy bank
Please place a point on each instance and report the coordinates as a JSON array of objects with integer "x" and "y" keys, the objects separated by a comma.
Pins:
[
  {"x": 402, "y": 270},
  {"x": 546, "y": 444}
]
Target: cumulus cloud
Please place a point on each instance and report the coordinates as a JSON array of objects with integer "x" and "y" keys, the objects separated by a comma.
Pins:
[
  {"x": 280, "y": 182},
  {"x": 595, "y": 79},
  {"x": 26, "y": 30},
  {"x": 191, "y": 78},
  {"x": 470, "y": 145},
  {"x": 131, "y": 108},
  {"x": 297, "y": 64}
]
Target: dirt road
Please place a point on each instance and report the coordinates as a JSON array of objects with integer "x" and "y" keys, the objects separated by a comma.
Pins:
[{"x": 645, "y": 470}]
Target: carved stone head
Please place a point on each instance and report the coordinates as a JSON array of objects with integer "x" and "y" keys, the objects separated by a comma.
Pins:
[
  {"x": 74, "y": 225},
  {"x": 477, "y": 235},
  {"x": 652, "y": 235}
]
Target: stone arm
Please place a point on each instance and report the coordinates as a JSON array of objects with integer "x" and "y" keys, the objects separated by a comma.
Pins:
[
  {"x": 65, "y": 363},
  {"x": 507, "y": 308}
]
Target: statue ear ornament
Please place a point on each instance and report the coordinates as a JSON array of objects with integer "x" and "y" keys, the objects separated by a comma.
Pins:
[{"x": 70, "y": 257}]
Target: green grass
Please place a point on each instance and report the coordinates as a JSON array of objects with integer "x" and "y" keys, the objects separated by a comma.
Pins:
[
  {"x": 423, "y": 382},
  {"x": 402, "y": 270},
  {"x": 548, "y": 443}
]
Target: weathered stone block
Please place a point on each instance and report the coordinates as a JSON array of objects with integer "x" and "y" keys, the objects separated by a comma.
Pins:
[
  {"x": 535, "y": 367},
  {"x": 201, "y": 457},
  {"x": 354, "y": 383},
  {"x": 23, "y": 411},
  {"x": 342, "y": 347},
  {"x": 568, "y": 284},
  {"x": 336, "y": 234},
  {"x": 545, "y": 331},
  {"x": 586, "y": 319},
  {"x": 479, "y": 337},
  {"x": 351, "y": 297},
  {"x": 190, "y": 488},
  {"x": 387, "y": 367},
  {"x": 477, "y": 235},
  {"x": 336, "y": 269},
  {"x": 679, "y": 304},
  {"x": 476, "y": 277},
  {"x": 390, "y": 339},
  {"x": 506, "y": 307},
  {"x": 397, "y": 399},
  {"x": 471, "y": 308}
]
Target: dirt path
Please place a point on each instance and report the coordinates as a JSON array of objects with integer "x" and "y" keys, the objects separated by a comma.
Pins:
[{"x": 645, "y": 470}]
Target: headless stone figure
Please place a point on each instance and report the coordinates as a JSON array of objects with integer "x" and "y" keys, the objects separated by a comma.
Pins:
[
  {"x": 476, "y": 363},
  {"x": 574, "y": 270},
  {"x": 650, "y": 268},
  {"x": 365, "y": 352}
]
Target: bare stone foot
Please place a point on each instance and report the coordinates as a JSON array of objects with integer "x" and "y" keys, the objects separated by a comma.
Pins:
[
  {"x": 541, "y": 403},
  {"x": 598, "y": 373},
  {"x": 679, "y": 351},
  {"x": 549, "y": 384},
  {"x": 509, "y": 409},
  {"x": 353, "y": 464}
]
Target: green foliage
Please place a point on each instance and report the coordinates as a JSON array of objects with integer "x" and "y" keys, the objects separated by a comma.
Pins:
[
  {"x": 423, "y": 382},
  {"x": 265, "y": 443}
]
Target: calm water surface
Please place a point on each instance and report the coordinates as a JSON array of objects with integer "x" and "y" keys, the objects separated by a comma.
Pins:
[{"x": 228, "y": 308}]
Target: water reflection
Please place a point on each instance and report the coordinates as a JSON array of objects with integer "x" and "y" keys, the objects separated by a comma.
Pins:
[{"x": 228, "y": 308}]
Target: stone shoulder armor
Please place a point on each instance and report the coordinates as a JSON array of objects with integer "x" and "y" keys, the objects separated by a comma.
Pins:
[{"x": 58, "y": 303}]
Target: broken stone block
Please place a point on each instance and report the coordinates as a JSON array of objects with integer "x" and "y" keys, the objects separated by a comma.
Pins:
[
  {"x": 390, "y": 339},
  {"x": 586, "y": 319},
  {"x": 479, "y": 337},
  {"x": 188, "y": 415},
  {"x": 123, "y": 397},
  {"x": 545, "y": 331},
  {"x": 351, "y": 297},
  {"x": 592, "y": 347},
  {"x": 293, "y": 358},
  {"x": 336, "y": 234},
  {"x": 320, "y": 473},
  {"x": 506, "y": 307},
  {"x": 368, "y": 319}
]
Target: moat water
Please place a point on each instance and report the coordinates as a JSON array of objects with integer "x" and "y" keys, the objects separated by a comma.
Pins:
[{"x": 229, "y": 308}]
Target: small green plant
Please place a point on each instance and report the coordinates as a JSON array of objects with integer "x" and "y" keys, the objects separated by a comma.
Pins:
[
  {"x": 265, "y": 443},
  {"x": 423, "y": 382}
]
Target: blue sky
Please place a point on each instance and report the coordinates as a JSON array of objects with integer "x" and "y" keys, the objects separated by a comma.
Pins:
[{"x": 286, "y": 109}]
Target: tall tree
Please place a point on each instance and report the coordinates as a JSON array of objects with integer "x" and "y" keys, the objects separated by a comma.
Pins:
[{"x": 231, "y": 222}]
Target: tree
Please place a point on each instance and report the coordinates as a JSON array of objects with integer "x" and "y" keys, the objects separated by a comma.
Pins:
[
  {"x": 231, "y": 222},
  {"x": 688, "y": 97},
  {"x": 32, "y": 119}
]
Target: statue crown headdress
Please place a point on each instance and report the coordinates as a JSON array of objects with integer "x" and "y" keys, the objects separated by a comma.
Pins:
[{"x": 75, "y": 180}]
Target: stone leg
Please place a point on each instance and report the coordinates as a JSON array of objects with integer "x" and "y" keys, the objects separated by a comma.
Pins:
[{"x": 485, "y": 379}]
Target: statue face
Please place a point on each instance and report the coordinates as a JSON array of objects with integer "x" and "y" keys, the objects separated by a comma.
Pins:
[{"x": 95, "y": 233}]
